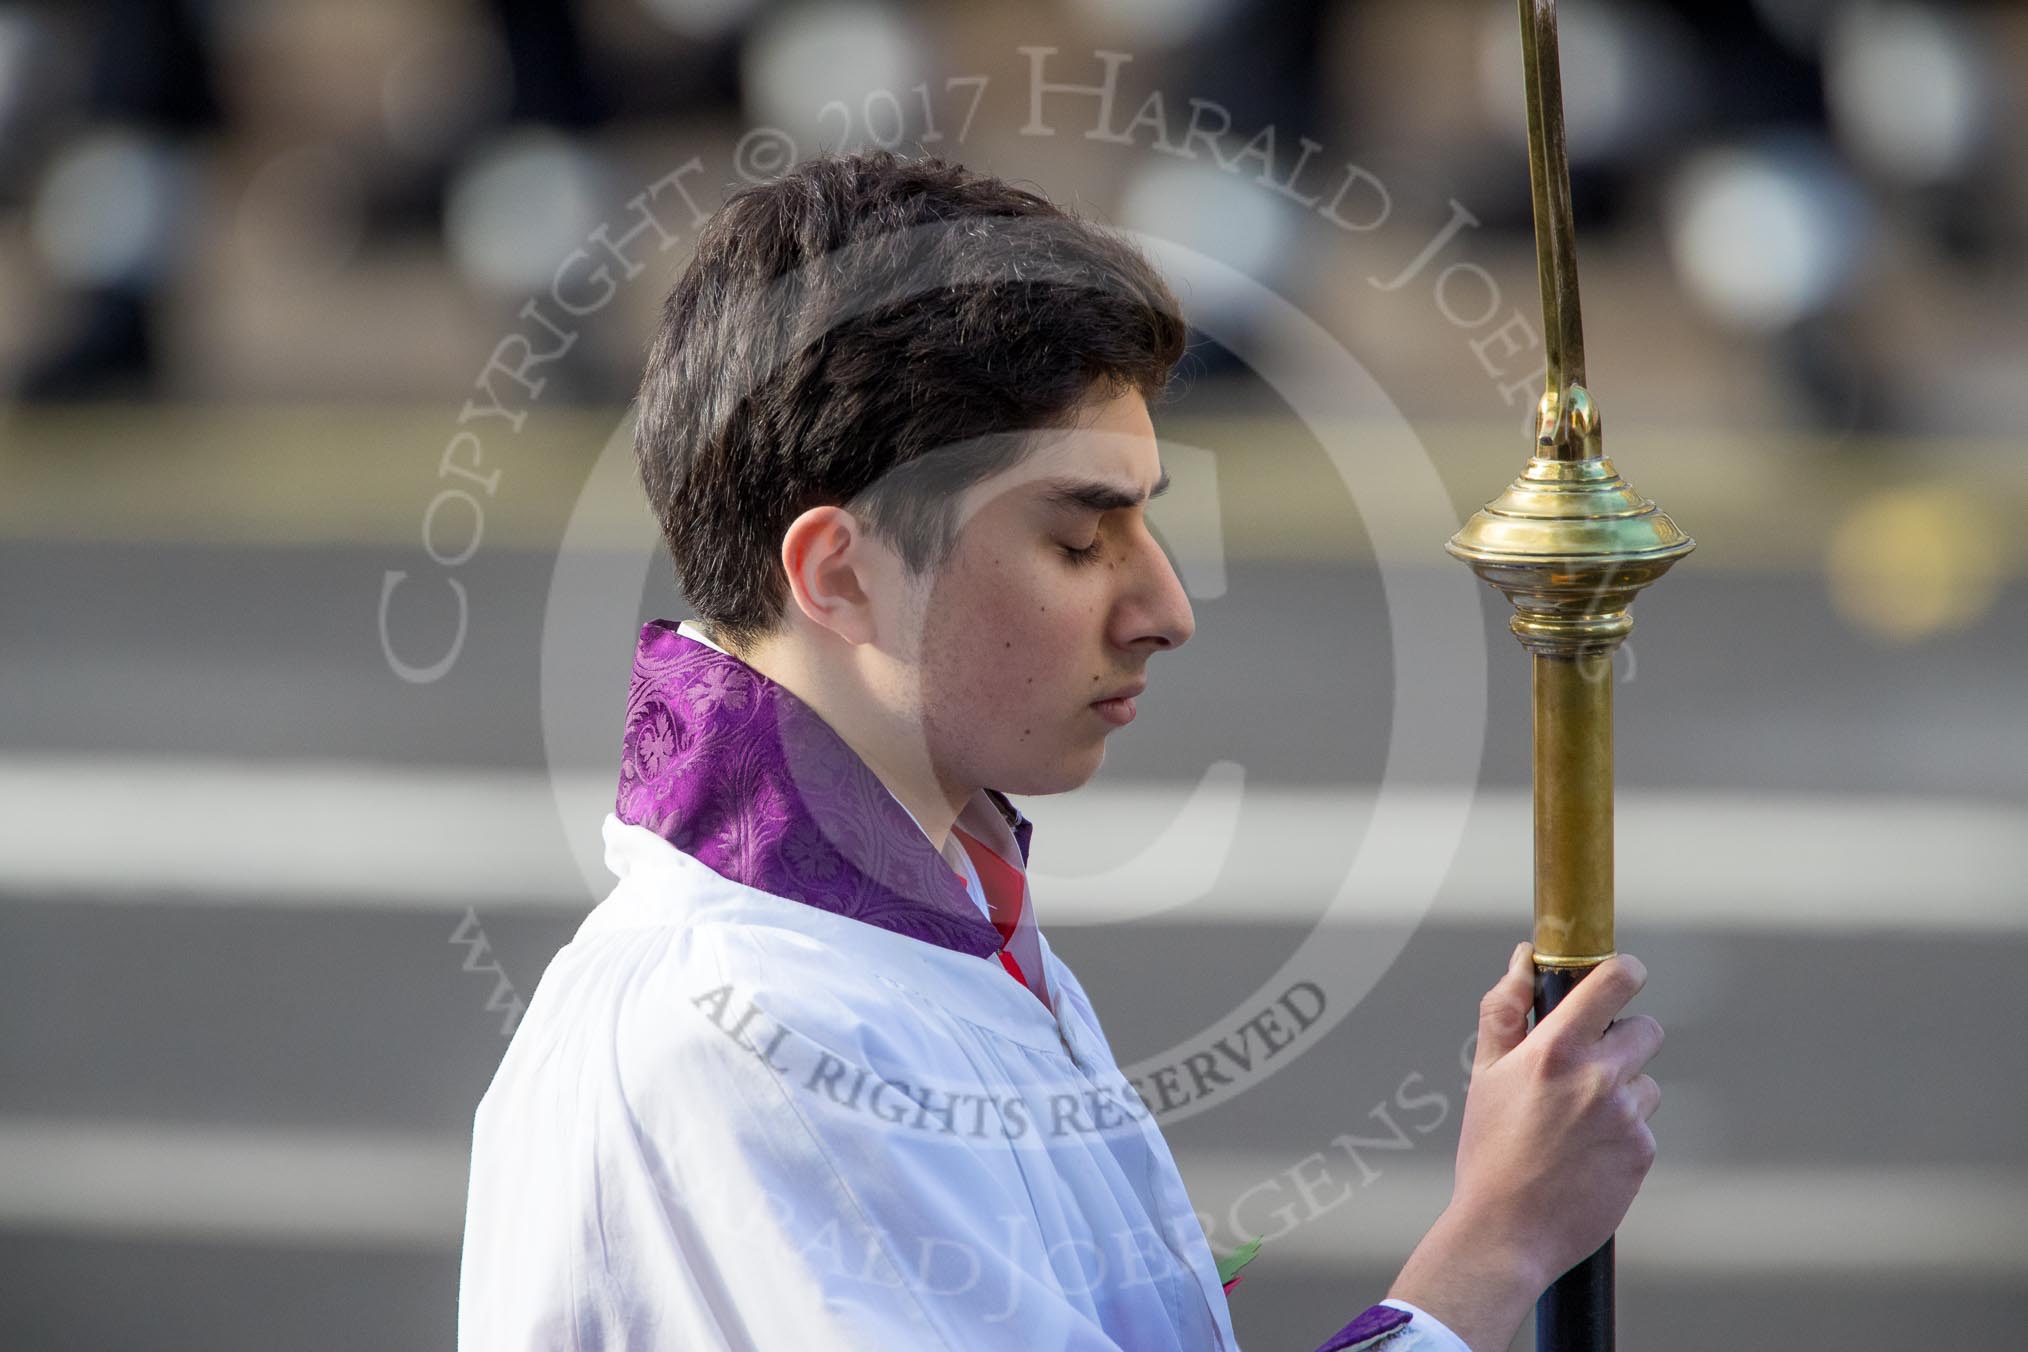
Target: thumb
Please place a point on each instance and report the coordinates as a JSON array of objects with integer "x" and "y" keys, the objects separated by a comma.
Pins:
[{"x": 1503, "y": 1014}]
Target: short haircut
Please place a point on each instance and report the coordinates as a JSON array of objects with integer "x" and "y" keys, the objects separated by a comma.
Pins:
[{"x": 879, "y": 333}]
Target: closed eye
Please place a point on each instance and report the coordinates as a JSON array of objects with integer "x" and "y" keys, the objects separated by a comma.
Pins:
[{"x": 1084, "y": 555}]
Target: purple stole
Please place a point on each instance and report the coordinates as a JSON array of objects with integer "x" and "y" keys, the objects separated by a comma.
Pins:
[{"x": 731, "y": 767}]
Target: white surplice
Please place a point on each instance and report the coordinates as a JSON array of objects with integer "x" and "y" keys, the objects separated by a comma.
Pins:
[
  {"x": 643, "y": 1178},
  {"x": 730, "y": 1119}
]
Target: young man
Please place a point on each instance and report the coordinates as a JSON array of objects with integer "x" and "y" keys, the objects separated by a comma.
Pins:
[{"x": 811, "y": 1076}]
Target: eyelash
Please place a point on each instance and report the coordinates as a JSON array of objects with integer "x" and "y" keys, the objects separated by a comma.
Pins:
[{"x": 1081, "y": 556}]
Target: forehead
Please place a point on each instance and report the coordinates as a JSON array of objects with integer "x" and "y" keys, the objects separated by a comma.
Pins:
[{"x": 1111, "y": 444}]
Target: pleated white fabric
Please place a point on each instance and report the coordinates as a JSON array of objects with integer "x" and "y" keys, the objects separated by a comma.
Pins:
[{"x": 732, "y": 1120}]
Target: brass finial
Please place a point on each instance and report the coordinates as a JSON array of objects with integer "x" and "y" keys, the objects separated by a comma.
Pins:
[{"x": 1570, "y": 545}]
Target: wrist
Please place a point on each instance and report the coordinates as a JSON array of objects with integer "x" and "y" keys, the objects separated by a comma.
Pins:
[
  {"x": 1466, "y": 1274},
  {"x": 1495, "y": 1247}
]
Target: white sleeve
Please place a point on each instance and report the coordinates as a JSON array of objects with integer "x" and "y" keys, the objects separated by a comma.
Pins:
[
  {"x": 1435, "y": 1335},
  {"x": 1394, "y": 1326}
]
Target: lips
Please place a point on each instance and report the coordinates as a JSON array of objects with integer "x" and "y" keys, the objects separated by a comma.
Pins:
[
  {"x": 1124, "y": 692},
  {"x": 1118, "y": 707},
  {"x": 1118, "y": 712}
]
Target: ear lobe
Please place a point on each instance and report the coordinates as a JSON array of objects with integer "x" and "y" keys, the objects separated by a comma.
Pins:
[{"x": 824, "y": 557}]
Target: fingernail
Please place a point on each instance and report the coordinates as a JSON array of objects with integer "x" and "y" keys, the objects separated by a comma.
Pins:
[{"x": 1520, "y": 951}]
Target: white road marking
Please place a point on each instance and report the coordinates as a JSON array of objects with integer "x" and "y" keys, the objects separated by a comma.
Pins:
[
  {"x": 126, "y": 831},
  {"x": 152, "y": 1180},
  {"x": 406, "y": 1192},
  {"x": 1714, "y": 1220}
]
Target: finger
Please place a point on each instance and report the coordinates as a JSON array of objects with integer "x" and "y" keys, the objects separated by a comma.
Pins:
[
  {"x": 1503, "y": 1014},
  {"x": 1647, "y": 1095},
  {"x": 1597, "y": 998},
  {"x": 1630, "y": 1042}
]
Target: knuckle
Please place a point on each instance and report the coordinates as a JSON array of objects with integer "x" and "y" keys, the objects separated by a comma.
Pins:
[
  {"x": 1640, "y": 1037},
  {"x": 1625, "y": 974},
  {"x": 1501, "y": 1011},
  {"x": 1556, "y": 1058},
  {"x": 1627, "y": 1101}
]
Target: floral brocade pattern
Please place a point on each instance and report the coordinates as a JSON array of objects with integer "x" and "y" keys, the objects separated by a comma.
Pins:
[
  {"x": 1373, "y": 1328},
  {"x": 730, "y": 767}
]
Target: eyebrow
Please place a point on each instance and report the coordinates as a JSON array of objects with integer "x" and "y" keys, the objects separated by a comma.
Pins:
[{"x": 1094, "y": 496}]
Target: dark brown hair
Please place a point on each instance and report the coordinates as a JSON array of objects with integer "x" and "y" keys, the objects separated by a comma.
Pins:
[{"x": 877, "y": 332}]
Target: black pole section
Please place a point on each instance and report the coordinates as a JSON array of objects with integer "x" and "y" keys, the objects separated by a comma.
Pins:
[{"x": 1575, "y": 1313}]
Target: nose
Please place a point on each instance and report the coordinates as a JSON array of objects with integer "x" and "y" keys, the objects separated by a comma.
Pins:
[{"x": 1154, "y": 613}]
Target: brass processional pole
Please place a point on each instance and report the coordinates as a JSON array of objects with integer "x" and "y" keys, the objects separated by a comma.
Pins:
[{"x": 1570, "y": 544}]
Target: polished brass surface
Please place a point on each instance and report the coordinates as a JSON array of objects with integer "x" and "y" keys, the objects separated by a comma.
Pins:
[
  {"x": 1565, "y": 404},
  {"x": 1573, "y": 809},
  {"x": 1570, "y": 544}
]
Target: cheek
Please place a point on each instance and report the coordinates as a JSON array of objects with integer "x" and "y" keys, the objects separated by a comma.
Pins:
[{"x": 1015, "y": 642}]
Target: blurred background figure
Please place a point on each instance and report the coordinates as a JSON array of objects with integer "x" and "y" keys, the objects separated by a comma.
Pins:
[
  {"x": 317, "y": 321},
  {"x": 112, "y": 209},
  {"x": 188, "y": 179},
  {"x": 485, "y": 110}
]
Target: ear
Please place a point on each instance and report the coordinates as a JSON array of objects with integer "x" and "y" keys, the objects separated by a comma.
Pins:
[{"x": 828, "y": 558}]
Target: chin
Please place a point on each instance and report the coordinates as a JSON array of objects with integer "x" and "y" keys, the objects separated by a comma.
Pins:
[{"x": 1073, "y": 771}]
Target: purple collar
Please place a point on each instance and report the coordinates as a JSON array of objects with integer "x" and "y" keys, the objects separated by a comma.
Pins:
[{"x": 729, "y": 766}]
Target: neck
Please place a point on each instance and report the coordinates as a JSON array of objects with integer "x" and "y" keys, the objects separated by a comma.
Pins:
[{"x": 839, "y": 691}]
